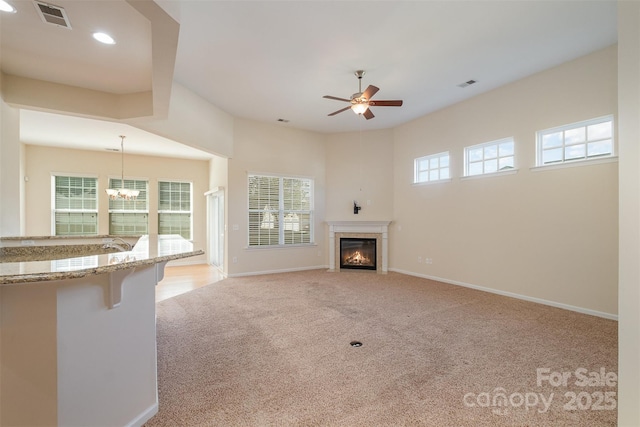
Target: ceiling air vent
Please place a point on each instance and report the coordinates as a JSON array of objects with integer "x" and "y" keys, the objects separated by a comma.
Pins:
[
  {"x": 467, "y": 83},
  {"x": 52, "y": 14}
]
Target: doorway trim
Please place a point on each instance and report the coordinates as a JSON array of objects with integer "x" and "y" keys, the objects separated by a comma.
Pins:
[{"x": 215, "y": 227}]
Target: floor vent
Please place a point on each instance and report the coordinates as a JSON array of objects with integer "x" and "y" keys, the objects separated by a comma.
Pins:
[{"x": 52, "y": 14}]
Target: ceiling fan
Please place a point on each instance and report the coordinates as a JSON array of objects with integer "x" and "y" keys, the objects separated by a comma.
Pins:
[{"x": 361, "y": 101}]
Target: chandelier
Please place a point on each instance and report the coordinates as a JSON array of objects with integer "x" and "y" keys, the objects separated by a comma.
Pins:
[{"x": 122, "y": 193}]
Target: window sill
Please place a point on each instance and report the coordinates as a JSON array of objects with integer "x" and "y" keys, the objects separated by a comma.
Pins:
[
  {"x": 438, "y": 181},
  {"x": 294, "y": 246},
  {"x": 575, "y": 163},
  {"x": 487, "y": 175}
]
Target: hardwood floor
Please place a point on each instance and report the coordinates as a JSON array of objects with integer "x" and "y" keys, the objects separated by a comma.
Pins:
[{"x": 181, "y": 279}]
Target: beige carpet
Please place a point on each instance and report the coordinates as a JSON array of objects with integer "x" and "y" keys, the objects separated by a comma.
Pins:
[{"x": 275, "y": 350}]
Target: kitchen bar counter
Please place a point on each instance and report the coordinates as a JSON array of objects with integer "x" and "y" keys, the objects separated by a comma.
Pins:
[
  {"x": 77, "y": 333},
  {"x": 148, "y": 250}
]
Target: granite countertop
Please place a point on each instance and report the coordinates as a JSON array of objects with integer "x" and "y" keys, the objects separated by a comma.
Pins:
[
  {"x": 149, "y": 250},
  {"x": 65, "y": 238}
]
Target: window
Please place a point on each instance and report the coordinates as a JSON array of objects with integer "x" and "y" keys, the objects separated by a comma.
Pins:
[
  {"x": 75, "y": 205},
  {"x": 129, "y": 217},
  {"x": 431, "y": 168},
  {"x": 174, "y": 208},
  {"x": 490, "y": 157},
  {"x": 579, "y": 141},
  {"x": 280, "y": 210}
]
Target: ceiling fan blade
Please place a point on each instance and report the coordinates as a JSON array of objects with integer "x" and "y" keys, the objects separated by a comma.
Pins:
[
  {"x": 368, "y": 114},
  {"x": 336, "y": 98},
  {"x": 339, "y": 111},
  {"x": 370, "y": 91},
  {"x": 394, "y": 103}
]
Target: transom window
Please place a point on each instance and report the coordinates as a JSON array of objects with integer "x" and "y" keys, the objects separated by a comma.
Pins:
[
  {"x": 585, "y": 140},
  {"x": 129, "y": 217},
  {"x": 174, "y": 208},
  {"x": 490, "y": 157},
  {"x": 75, "y": 205},
  {"x": 280, "y": 210},
  {"x": 431, "y": 168}
]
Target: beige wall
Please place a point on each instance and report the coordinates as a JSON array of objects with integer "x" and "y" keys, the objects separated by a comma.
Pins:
[
  {"x": 2, "y": 229},
  {"x": 43, "y": 162},
  {"x": 193, "y": 121},
  {"x": 360, "y": 167},
  {"x": 551, "y": 234},
  {"x": 629, "y": 140},
  {"x": 218, "y": 172},
  {"x": 272, "y": 149},
  {"x": 11, "y": 173}
]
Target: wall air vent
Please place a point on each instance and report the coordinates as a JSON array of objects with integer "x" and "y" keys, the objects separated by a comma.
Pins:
[{"x": 52, "y": 14}]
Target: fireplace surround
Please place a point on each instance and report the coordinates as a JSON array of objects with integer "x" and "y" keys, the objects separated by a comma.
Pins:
[{"x": 359, "y": 229}]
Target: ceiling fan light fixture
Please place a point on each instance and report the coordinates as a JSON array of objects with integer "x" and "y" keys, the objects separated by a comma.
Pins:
[
  {"x": 361, "y": 101},
  {"x": 360, "y": 107}
]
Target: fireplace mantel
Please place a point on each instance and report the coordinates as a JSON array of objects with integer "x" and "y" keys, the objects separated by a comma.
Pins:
[{"x": 380, "y": 229}]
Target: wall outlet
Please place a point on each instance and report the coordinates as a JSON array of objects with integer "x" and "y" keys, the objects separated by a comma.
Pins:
[
  {"x": 235, "y": 227},
  {"x": 234, "y": 260},
  {"x": 428, "y": 261},
  {"x": 419, "y": 260}
]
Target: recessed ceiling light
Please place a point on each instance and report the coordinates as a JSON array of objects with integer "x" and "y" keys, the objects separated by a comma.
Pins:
[
  {"x": 103, "y": 38},
  {"x": 6, "y": 7}
]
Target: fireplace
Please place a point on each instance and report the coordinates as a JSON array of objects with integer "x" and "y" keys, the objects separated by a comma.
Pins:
[
  {"x": 375, "y": 230},
  {"x": 358, "y": 253}
]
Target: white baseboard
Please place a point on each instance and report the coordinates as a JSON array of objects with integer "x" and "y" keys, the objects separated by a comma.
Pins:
[
  {"x": 512, "y": 295},
  {"x": 286, "y": 270},
  {"x": 144, "y": 416}
]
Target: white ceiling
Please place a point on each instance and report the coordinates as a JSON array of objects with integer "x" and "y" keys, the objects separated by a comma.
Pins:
[{"x": 269, "y": 60}]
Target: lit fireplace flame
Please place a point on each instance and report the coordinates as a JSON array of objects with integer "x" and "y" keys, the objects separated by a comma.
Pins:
[{"x": 357, "y": 259}]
